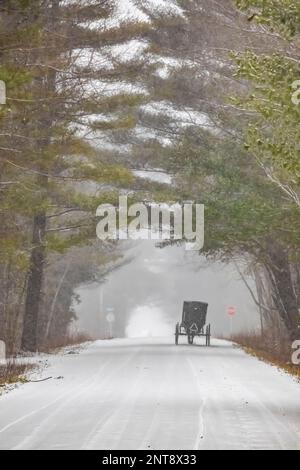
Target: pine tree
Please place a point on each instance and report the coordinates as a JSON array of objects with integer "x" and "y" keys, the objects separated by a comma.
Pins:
[
  {"x": 246, "y": 217},
  {"x": 61, "y": 103},
  {"x": 273, "y": 136}
]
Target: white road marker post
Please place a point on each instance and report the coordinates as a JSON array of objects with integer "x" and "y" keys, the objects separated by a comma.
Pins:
[
  {"x": 110, "y": 318},
  {"x": 101, "y": 310},
  {"x": 2, "y": 92},
  {"x": 2, "y": 353}
]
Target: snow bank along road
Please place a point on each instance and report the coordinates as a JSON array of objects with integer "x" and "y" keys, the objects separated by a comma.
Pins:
[{"x": 150, "y": 394}]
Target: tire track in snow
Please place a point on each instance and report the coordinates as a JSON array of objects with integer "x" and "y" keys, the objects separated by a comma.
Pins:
[
  {"x": 246, "y": 422},
  {"x": 82, "y": 390},
  {"x": 150, "y": 394},
  {"x": 93, "y": 436},
  {"x": 201, "y": 430},
  {"x": 125, "y": 412},
  {"x": 155, "y": 416}
]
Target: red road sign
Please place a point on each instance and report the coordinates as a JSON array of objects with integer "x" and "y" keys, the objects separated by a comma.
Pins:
[{"x": 231, "y": 311}]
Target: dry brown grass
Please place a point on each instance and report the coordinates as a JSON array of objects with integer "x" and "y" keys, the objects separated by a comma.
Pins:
[
  {"x": 52, "y": 345},
  {"x": 269, "y": 348},
  {"x": 13, "y": 372}
]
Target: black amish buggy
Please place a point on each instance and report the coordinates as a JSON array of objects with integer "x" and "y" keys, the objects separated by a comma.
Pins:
[{"x": 193, "y": 322}]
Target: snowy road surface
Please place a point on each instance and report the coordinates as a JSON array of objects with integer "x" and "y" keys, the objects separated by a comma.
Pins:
[{"x": 150, "y": 394}]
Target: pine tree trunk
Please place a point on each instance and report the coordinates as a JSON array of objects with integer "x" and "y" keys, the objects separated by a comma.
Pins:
[
  {"x": 284, "y": 295},
  {"x": 34, "y": 285},
  {"x": 38, "y": 253}
]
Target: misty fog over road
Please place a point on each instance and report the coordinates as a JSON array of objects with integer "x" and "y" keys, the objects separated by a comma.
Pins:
[
  {"x": 147, "y": 294},
  {"x": 150, "y": 394}
]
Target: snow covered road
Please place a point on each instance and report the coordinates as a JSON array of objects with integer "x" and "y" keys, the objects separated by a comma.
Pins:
[{"x": 150, "y": 394}]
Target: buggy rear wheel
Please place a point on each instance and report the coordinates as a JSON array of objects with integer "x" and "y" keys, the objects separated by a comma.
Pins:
[
  {"x": 177, "y": 334},
  {"x": 208, "y": 335}
]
